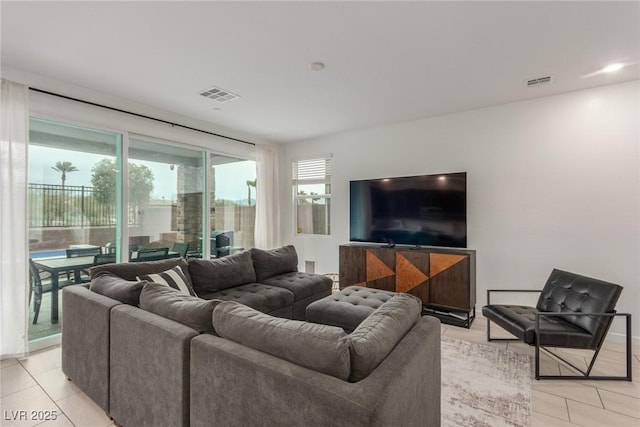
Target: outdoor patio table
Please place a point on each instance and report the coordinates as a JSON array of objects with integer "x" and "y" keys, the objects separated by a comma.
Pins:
[{"x": 55, "y": 266}]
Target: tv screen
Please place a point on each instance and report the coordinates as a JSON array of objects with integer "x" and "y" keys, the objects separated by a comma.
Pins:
[{"x": 427, "y": 210}]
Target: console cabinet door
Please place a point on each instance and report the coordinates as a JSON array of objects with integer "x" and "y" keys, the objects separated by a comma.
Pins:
[{"x": 438, "y": 277}]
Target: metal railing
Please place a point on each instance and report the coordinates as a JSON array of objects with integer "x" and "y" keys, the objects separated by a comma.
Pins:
[{"x": 53, "y": 205}]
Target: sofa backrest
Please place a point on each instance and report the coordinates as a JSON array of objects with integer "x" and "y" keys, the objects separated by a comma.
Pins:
[
  {"x": 270, "y": 263},
  {"x": 168, "y": 302},
  {"x": 572, "y": 293},
  {"x": 130, "y": 271},
  {"x": 321, "y": 348},
  {"x": 212, "y": 275},
  {"x": 379, "y": 333}
]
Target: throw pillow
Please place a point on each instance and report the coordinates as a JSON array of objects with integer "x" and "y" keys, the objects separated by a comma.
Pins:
[
  {"x": 212, "y": 275},
  {"x": 379, "y": 333},
  {"x": 131, "y": 270},
  {"x": 317, "y": 347},
  {"x": 273, "y": 262},
  {"x": 174, "y": 278},
  {"x": 168, "y": 302},
  {"x": 116, "y": 287}
]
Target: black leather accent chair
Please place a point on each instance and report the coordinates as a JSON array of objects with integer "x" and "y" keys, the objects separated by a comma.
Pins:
[{"x": 573, "y": 311}]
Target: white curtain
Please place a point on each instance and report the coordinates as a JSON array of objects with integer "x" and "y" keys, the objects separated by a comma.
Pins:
[
  {"x": 267, "y": 233},
  {"x": 14, "y": 290}
]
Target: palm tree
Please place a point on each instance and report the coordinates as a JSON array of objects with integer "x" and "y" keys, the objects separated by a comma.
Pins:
[
  {"x": 64, "y": 168},
  {"x": 249, "y": 185}
]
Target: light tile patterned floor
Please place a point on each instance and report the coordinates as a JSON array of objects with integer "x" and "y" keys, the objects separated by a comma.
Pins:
[
  {"x": 36, "y": 383},
  {"x": 560, "y": 403}
]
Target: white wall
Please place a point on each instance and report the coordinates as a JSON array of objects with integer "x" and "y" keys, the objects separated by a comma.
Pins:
[{"x": 552, "y": 182}]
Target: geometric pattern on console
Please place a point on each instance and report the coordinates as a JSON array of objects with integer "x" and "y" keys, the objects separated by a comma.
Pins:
[
  {"x": 441, "y": 262},
  {"x": 376, "y": 268},
  {"x": 410, "y": 273}
]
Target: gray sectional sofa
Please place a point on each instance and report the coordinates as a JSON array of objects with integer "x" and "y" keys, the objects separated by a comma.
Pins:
[{"x": 235, "y": 354}]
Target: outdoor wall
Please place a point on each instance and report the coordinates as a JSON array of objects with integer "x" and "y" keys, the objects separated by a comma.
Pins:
[
  {"x": 49, "y": 238},
  {"x": 552, "y": 182}
]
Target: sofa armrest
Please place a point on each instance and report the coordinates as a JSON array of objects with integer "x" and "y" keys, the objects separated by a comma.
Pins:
[
  {"x": 149, "y": 384},
  {"x": 85, "y": 341},
  {"x": 234, "y": 385}
]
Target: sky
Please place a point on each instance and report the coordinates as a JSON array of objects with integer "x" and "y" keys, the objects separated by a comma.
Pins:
[{"x": 230, "y": 178}]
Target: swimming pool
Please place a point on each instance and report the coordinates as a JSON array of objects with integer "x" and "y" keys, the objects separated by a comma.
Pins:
[{"x": 54, "y": 253}]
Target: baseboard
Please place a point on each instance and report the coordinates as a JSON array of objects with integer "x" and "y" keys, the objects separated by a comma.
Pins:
[{"x": 621, "y": 338}]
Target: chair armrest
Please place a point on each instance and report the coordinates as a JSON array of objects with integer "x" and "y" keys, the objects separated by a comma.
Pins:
[
  {"x": 509, "y": 290},
  {"x": 539, "y": 314}
]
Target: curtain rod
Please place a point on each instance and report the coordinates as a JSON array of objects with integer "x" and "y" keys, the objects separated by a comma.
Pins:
[{"x": 138, "y": 115}]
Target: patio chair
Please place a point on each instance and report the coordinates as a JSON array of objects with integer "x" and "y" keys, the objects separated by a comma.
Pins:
[
  {"x": 151, "y": 255},
  {"x": 104, "y": 259},
  {"x": 40, "y": 283},
  {"x": 181, "y": 248},
  {"x": 80, "y": 252},
  {"x": 573, "y": 311}
]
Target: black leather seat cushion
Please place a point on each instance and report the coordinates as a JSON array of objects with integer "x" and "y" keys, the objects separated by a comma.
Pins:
[{"x": 520, "y": 321}]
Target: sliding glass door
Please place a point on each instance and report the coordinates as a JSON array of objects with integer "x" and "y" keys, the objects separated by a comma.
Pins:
[
  {"x": 91, "y": 201},
  {"x": 73, "y": 205},
  {"x": 166, "y": 198}
]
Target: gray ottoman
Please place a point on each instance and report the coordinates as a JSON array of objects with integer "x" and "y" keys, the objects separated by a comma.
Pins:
[{"x": 347, "y": 308}]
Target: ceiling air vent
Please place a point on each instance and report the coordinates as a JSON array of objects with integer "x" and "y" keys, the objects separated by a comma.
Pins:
[
  {"x": 538, "y": 81},
  {"x": 219, "y": 95}
]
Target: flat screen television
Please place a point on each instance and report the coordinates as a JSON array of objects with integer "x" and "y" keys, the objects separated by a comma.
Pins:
[{"x": 426, "y": 210}]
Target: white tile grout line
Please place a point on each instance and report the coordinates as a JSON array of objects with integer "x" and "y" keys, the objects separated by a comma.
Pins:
[
  {"x": 566, "y": 404},
  {"x": 42, "y": 388}
]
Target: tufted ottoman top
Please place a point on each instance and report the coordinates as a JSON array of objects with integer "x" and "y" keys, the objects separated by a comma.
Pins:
[{"x": 347, "y": 308}]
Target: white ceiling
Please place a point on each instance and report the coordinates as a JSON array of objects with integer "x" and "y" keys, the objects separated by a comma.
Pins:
[{"x": 386, "y": 62}]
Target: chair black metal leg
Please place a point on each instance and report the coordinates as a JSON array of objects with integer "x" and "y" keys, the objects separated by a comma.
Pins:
[
  {"x": 586, "y": 375},
  {"x": 488, "y": 330},
  {"x": 36, "y": 309}
]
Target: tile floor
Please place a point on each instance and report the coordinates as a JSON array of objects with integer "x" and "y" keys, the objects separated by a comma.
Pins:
[{"x": 37, "y": 386}]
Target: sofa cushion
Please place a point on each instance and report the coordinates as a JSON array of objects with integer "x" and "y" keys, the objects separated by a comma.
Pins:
[
  {"x": 302, "y": 285},
  {"x": 173, "y": 278},
  {"x": 273, "y": 262},
  {"x": 379, "y": 333},
  {"x": 321, "y": 348},
  {"x": 210, "y": 275},
  {"x": 117, "y": 288},
  {"x": 173, "y": 304},
  {"x": 131, "y": 270},
  {"x": 261, "y": 297}
]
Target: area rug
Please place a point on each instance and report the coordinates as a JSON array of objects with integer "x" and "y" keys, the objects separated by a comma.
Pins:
[{"x": 484, "y": 386}]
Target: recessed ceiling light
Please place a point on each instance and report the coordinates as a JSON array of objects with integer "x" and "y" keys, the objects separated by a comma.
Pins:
[
  {"x": 612, "y": 68},
  {"x": 316, "y": 66}
]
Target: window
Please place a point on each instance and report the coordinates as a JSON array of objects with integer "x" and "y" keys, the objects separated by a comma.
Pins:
[{"x": 312, "y": 195}]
